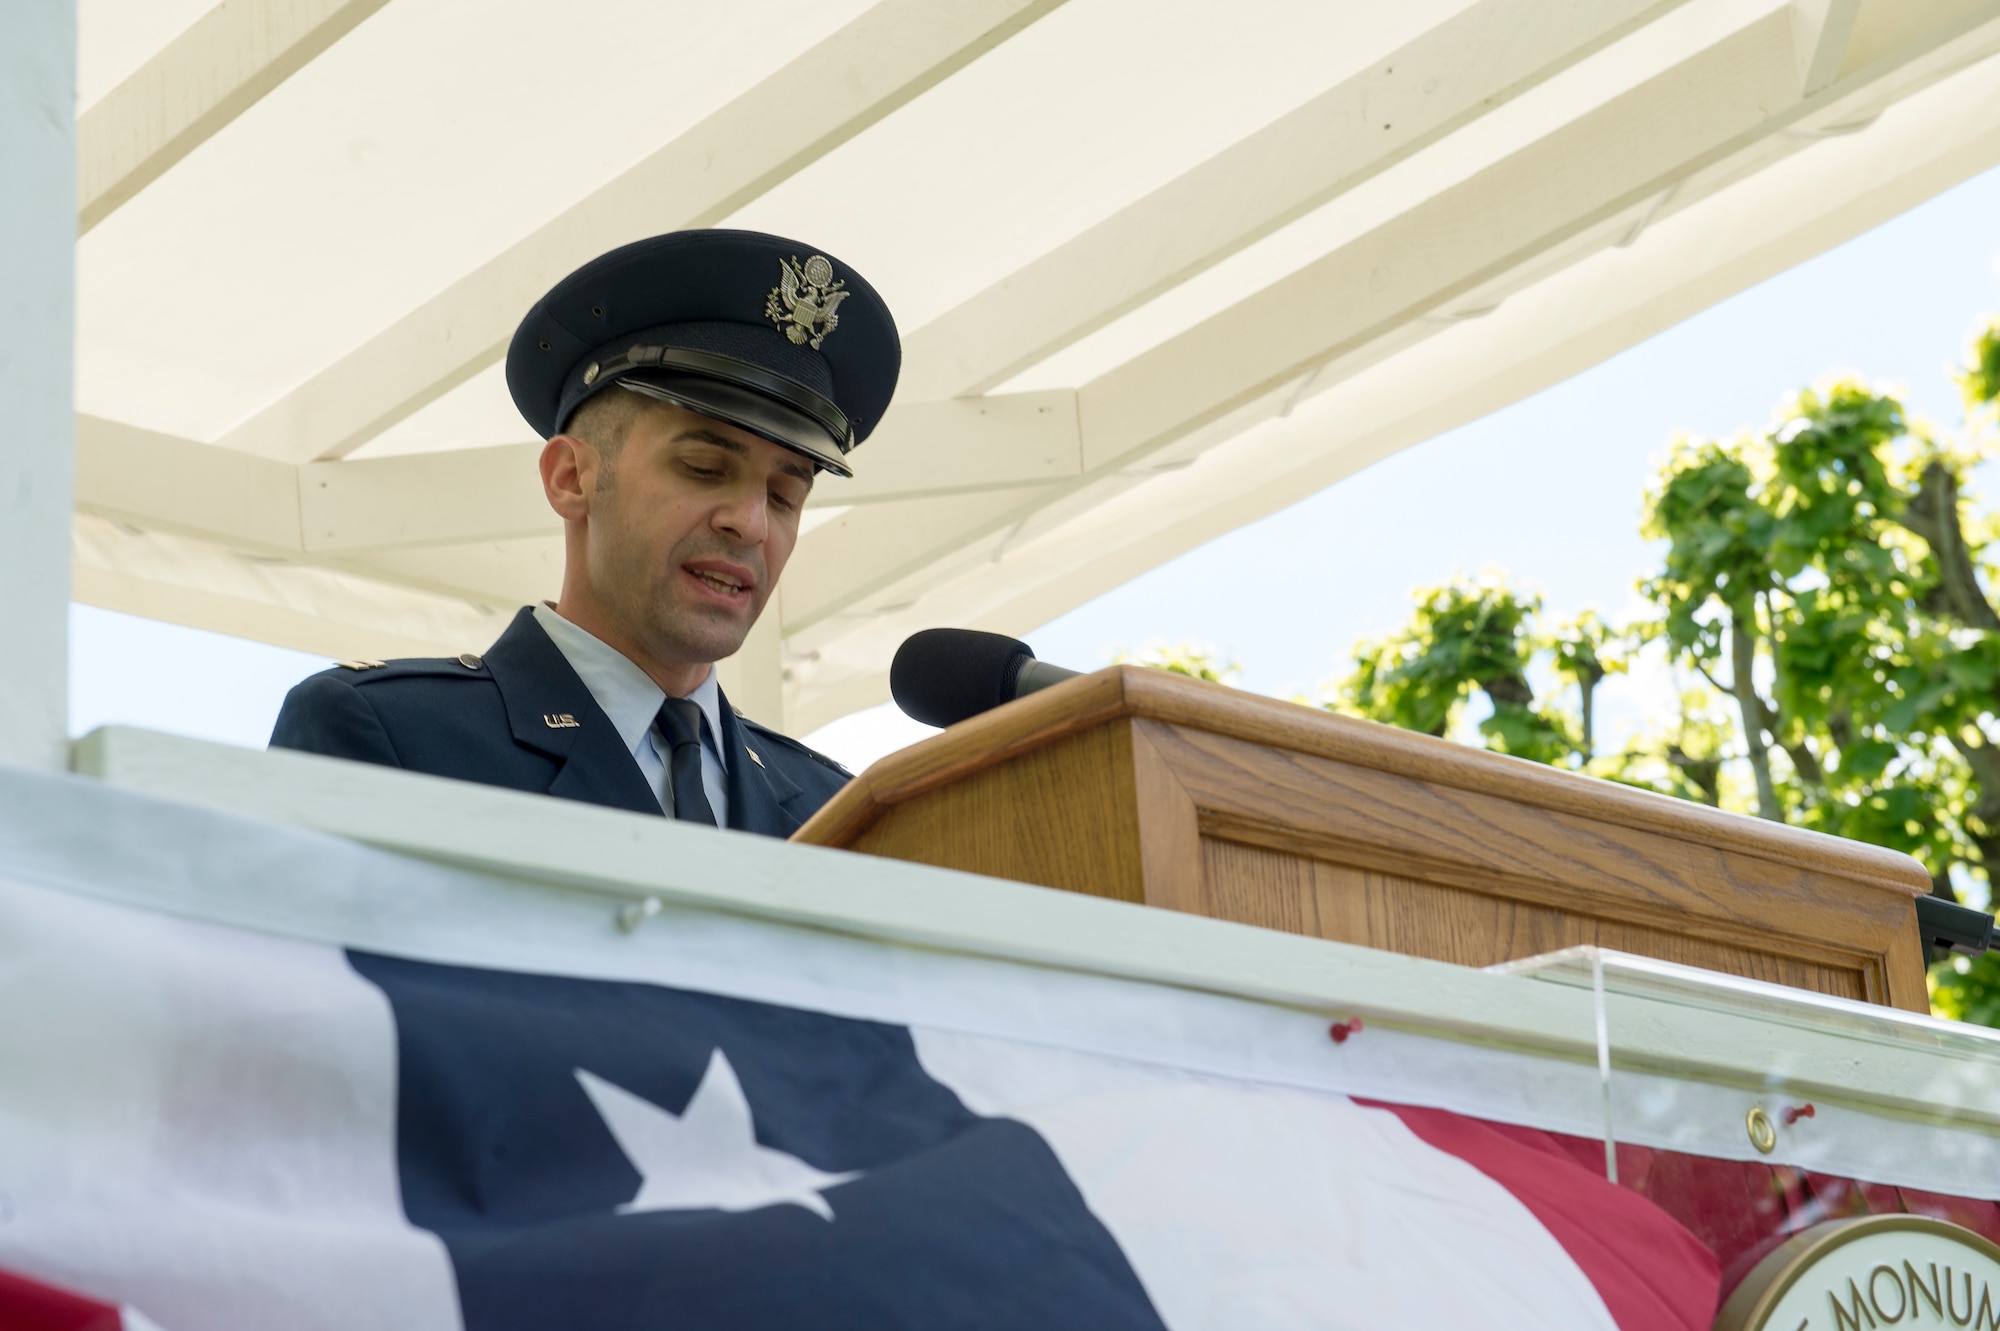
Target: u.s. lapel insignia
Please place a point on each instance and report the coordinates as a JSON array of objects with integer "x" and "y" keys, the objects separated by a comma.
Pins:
[
  {"x": 561, "y": 721},
  {"x": 805, "y": 303}
]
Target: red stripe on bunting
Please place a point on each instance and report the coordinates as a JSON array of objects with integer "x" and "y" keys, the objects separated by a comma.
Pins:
[
  {"x": 1651, "y": 1272},
  {"x": 29, "y": 1305}
]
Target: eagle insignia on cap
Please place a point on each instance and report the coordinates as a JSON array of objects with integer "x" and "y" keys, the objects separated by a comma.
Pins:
[{"x": 805, "y": 303}]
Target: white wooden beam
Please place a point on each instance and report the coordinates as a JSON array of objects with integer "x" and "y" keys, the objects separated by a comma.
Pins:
[
  {"x": 329, "y": 612},
  {"x": 858, "y": 577},
  {"x": 215, "y": 71},
  {"x": 1720, "y": 112},
  {"x": 1451, "y": 75},
  {"x": 1363, "y": 296},
  {"x": 503, "y": 573},
  {"x": 961, "y": 445},
  {"x": 1821, "y": 29},
  {"x": 473, "y": 494},
  {"x": 1709, "y": 119},
  {"x": 1886, "y": 33},
  {"x": 343, "y": 509},
  {"x": 874, "y": 65},
  {"x": 1361, "y": 302},
  {"x": 1584, "y": 175},
  {"x": 864, "y": 553},
  {"x": 1757, "y": 228},
  {"x": 168, "y": 484},
  {"x": 161, "y": 483},
  {"x": 37, "y": 291}
]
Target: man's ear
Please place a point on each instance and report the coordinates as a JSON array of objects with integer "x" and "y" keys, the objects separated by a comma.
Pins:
[{"x": 569, "y": 473}]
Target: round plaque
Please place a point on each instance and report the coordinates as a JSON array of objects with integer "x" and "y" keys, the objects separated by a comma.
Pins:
[{"x": 1875, "y": 1272}]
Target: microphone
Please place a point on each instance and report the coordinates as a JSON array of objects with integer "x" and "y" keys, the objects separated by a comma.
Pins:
[
  {"x": 1954, "y": 928},
  {"x": 942, "y": 676}
]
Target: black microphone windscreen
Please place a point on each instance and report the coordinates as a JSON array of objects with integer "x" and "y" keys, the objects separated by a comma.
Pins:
[{"x": 942, "y": 676}]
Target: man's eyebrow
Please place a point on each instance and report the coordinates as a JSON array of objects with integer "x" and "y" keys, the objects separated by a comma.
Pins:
[
  {"x": 799, "y": 470},
  {"x": 701, "y": 436}
]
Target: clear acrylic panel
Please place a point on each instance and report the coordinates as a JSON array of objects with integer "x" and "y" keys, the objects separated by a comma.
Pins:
[{"x": 1728, "y": 1068}]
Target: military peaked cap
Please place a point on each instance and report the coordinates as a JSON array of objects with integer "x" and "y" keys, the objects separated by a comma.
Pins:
[{"x": 762, "y": 332}]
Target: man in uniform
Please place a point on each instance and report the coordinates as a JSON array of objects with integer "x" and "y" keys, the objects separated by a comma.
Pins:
[{"x": 690, "y": 387}]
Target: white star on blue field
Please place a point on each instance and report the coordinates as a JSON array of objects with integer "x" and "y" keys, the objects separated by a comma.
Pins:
[{"x": 707, "y": 1157}]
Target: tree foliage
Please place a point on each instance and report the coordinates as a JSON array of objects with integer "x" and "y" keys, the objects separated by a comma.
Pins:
[
  {"x": 1825, "y": 593},
  {"x": 1476, "y": 637},
  {"x": 1967, "y": 989},
  {"x": 1795, "y": 583}
]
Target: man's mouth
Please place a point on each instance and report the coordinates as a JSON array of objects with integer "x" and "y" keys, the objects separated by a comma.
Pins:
[{"x": 721, "y": 581}]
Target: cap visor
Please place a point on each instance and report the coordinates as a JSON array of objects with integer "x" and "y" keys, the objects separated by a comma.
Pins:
[{"x": 744, "y": 408}]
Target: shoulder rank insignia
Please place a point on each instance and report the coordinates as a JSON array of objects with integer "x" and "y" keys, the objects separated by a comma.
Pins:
[
  {"x": 361, "y": 663},
  {"x": 805, "y": 302}
]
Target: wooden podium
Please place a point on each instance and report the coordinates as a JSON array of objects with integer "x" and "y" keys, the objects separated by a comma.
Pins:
[{"x": 1151, "y": 787}]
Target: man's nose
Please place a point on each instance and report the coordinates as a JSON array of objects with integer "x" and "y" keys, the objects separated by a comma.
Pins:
[{"x": 745, "y": 514}]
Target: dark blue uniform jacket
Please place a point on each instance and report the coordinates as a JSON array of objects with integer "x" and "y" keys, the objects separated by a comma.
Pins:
[{"x": 508, "y": 722}]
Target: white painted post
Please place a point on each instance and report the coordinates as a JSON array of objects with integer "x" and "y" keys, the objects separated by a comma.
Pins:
[
  {"x": 754, "y": 678},
  {"x": 37, "y": 337}
]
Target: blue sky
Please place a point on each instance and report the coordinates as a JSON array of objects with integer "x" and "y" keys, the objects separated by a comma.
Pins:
[{"x": 1548, "y": 490}]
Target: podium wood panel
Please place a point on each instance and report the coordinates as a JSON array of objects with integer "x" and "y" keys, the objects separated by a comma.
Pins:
[{"x": 1153, "y": 788}]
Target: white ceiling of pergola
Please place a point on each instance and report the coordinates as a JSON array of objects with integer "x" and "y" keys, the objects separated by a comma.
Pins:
[{"x": 1162, "y": 267}]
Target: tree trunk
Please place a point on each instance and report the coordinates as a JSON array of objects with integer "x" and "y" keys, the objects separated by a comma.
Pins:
[
  {"x": 1982, "y": 821},
  {"x": 1806, "y": 763},
  {"x": 1507, "y": 687},
  {"x": 1933, "y": 515},
  {"x": 1589, "y": 691},
  {"x": 1587, "y": 680},
  {"x": 1742, "y": 659},
  {"x": 1704, "y": 774}
]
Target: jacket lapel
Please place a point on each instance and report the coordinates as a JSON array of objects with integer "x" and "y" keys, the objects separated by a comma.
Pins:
[
  {"x": 758, "y": 793},
  {"x": 551, "y": 712}
]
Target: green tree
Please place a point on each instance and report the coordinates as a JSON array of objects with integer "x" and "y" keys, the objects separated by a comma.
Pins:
[
  {"x": 1798, "y": 581},
  {"x": 1828, "y": 585},
  {"x": 1686, "y": 754},
  {"x": 1967, "y": 989},
  {"x": 1470, "y": 636},
  {"x": 1718, "y": 541},
  {"x": 1585, "y": 651}
]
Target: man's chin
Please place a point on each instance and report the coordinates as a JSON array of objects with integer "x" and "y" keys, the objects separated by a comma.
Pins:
[{"x": 710, "y": 633}]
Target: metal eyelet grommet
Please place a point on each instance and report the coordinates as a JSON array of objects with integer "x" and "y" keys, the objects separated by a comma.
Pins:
[
  {"x": 545, "y": 346},
  {"x": 1763, "y": 1132}
]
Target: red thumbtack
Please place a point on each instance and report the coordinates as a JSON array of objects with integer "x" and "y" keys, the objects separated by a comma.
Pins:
[
  {"x": 1340, "y": 1030},
  {"x": 1793, "y": 1113}
]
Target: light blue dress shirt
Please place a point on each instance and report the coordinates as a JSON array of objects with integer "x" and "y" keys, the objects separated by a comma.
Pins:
[{"x": 632, "y": 700}]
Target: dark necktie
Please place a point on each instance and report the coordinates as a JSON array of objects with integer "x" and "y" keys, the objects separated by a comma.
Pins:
[{"x": 680, "y": 722}]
